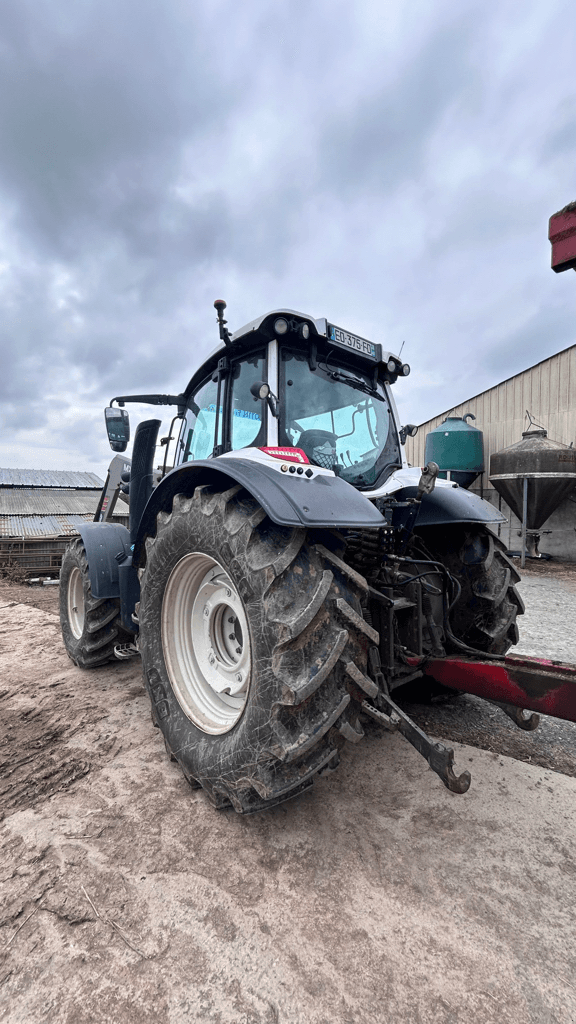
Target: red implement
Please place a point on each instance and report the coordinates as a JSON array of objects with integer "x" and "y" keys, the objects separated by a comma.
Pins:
[
  {"x": 535, "y": 684},
  {"x": 562, "y": 234}
]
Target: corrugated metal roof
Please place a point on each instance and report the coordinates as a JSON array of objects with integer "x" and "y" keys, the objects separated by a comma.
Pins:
[
  {"x": 48, "y": 478},
  {"x": 38, "y": 501},
  {"x": 42, "y": 526}
]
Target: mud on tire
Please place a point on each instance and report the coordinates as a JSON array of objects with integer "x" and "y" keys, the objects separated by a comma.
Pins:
[
  {"x": 484, "y": 617},
  {"x": 303, "y": 639},
  {"x": 90, "y": 626}
]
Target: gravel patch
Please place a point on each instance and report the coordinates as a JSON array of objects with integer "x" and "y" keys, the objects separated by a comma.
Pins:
[
  {"x": 547, "y": 627},
  {"x": 548, "y": 590}
]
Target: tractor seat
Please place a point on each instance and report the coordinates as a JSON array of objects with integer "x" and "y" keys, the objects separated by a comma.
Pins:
[{"x": 320, "y": 447}]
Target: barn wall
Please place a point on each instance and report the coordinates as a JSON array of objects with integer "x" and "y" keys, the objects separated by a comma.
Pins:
[{"x": 548, "y": 391}]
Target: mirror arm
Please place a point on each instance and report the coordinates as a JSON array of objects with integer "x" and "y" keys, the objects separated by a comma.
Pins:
[{"x": 179, "y": 400}]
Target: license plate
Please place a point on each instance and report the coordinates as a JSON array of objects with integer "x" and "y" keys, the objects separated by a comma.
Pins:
[{"x": 351, "y": 341}]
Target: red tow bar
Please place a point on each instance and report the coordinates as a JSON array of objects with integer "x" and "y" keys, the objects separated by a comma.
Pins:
[{"x": 535, "y": 684}]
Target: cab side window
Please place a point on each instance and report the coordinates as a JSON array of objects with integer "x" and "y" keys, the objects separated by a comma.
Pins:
[
  {"x": 247, "y": 414},
  {"x": 198, "y": 436}
]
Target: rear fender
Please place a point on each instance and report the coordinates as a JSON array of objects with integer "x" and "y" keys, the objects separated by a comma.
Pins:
[
  {"x": 289, "y": 500},
  {"x": 450, "y": 505}
]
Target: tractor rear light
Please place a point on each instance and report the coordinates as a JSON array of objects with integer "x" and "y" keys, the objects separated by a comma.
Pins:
[
  {"x": 281, "y": 325},
  {"x": 287, "y": 454}
]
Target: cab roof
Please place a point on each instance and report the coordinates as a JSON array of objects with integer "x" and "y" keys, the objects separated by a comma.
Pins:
[{"x": 246, "y": 337}]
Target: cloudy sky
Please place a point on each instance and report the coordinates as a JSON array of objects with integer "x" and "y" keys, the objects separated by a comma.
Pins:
[{"x": 389, "y": 164}]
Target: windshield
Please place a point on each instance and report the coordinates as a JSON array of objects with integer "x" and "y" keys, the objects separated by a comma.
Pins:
[{"x": 341, "y": 426}]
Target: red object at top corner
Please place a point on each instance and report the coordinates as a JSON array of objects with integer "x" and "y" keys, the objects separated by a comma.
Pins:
[{"x": 562, "y": 234}]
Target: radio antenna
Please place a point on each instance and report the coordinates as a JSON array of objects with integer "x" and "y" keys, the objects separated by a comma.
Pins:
[{"x": 220, "y": 306}]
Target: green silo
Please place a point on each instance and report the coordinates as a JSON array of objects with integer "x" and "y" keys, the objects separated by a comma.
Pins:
[{"x": 458, "y": 448}]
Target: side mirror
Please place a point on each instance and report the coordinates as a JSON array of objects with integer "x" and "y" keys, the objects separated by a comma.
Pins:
[
  {"x": 118, "y": 428},
  {"x": 410, "y": 430}
]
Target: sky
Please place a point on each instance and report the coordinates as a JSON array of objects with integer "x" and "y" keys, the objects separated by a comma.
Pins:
[{"x": 389, "y": 165}]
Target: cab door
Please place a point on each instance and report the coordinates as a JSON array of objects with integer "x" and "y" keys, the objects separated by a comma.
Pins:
[
  {"x": 246, "y": 419},
  {"x": 237, "y": 421}
]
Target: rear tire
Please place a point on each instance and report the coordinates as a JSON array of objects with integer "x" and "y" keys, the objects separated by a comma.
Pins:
[
  {"x": 90, "y": 626},
  {"x": 251, "y": 715},
  {"x": 484, "y": 616}
]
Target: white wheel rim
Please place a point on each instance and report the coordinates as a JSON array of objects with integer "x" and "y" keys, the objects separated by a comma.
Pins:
[
  {"x": 206, "y": 643},
  {"x": 76, "y": 603}
]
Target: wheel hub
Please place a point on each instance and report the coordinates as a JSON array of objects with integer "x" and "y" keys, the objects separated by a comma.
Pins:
[
  {"x": 76, "y": 611},
  {"x": 205, "y": 638}
]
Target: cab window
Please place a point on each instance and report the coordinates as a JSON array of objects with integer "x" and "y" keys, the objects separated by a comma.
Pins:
[
  {"x": 339, "y": 420},
  {"x": 247, "y": 414},
  {"x": 200, "y": 423}
]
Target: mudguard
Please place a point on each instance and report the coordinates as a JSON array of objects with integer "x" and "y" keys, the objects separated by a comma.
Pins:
[
  {"x": 322, "y": 501},
  {"x": 107, "y": 547},
  {"x": 451, "y": 505}
]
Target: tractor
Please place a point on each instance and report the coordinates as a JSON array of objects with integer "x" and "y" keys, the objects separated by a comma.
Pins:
[{"x": 291, "y": 575}]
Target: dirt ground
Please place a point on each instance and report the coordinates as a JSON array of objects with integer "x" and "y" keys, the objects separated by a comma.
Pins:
[{"x": 375, "y": 897}]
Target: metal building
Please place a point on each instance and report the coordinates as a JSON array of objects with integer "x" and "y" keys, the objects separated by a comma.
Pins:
[
  {"x": 548, "y": 392},
  {"x": 40, "y": 510}
]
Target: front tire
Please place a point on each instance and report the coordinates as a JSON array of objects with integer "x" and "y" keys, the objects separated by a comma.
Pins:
[
  {"x": 91, "y": 626},
  {"x": 254, "y": 648}
]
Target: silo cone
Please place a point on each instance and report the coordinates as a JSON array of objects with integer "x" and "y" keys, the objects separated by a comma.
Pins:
[{"x": 549, "y": 467}]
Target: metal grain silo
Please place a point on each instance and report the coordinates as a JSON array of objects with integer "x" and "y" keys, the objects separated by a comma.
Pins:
[{"x": 534, "y": 476}]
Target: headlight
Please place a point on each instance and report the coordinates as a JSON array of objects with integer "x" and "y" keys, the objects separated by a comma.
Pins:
[
  {"x": 391, "y": 366},
  {"x": 305, "y": 331},
  {"x": 280, "y": 325},
  {"x": 405, "y": 370}
]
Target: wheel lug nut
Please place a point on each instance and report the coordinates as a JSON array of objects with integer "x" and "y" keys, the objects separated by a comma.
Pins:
[
  {"x": 231, "y": 636},
  {"x": 239, "y": 677},
  {"x": 231, "y": 619},
  {"x": 238, "y": 650}
]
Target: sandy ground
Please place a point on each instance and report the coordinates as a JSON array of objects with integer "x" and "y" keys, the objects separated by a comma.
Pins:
[{"x": 376, "y": 897}]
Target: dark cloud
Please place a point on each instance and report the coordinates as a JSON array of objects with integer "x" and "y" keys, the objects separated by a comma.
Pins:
[
  {"x": 94, "y": 115},
  {"x": 380, "y": 140},
  {"x": 391, "y": 166}
]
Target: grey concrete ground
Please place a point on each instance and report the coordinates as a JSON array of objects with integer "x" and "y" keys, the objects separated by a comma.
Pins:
[{"x": 548, "y": 627}]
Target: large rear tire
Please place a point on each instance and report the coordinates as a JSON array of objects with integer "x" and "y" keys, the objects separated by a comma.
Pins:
[
  {"x": 484, "y": 616},
  {"x": 254, "y": 648},
  {"x": 91, "y": 626}
]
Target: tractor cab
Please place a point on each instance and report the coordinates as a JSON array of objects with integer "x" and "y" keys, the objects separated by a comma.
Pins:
[{"x": 288, "y": 382}]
